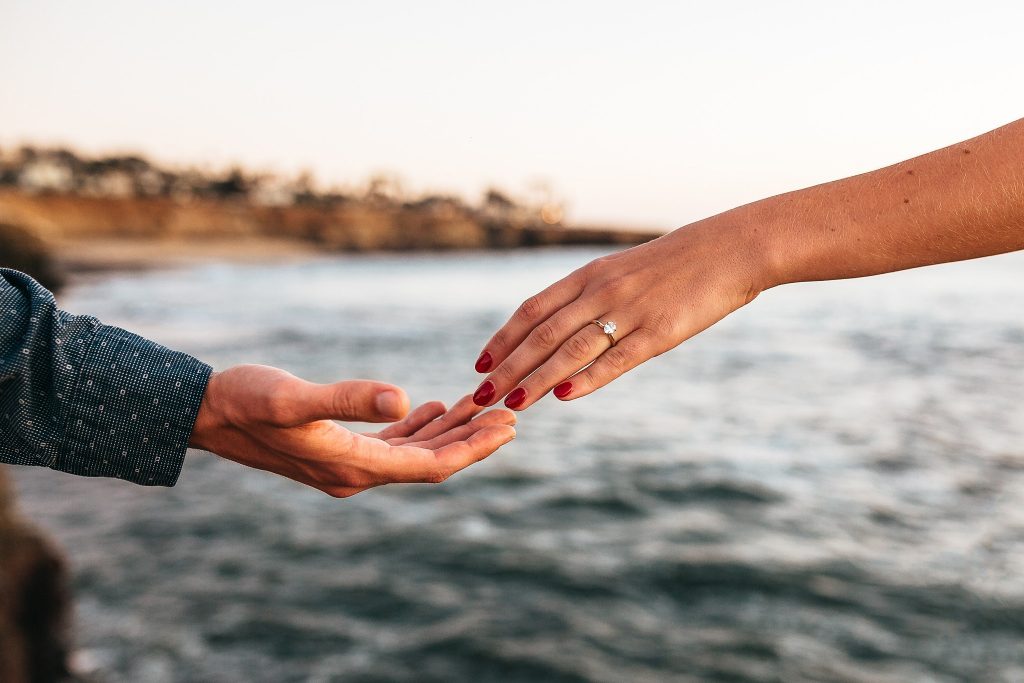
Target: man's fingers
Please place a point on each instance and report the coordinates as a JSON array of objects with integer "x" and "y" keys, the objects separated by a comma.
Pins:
[
  {"x": 353, "y": 401},
  {"x": 414, "y": 421},
  {"x": 530, "y": 313},
  {"x": 460, "y": 413},
  {"x": 413, "y": 464},
  {"x": 463, "y": 432},
  {"x": 462, "y": 454}
]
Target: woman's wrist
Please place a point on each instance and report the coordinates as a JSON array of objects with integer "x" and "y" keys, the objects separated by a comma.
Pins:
[
  {"x": 743, "y": 240},
  {"x": 768, "y": 236}
]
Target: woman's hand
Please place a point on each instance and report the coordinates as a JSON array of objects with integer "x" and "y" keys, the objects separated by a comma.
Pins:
[
  {"x": 658, "y": 294},
  {"x": 271, "y": 420},
  {"x": 963, "y": 201}
]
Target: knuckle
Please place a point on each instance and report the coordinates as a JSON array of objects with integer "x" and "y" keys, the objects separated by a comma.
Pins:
[
  {"x": 530, "y": 309},
  {"x": 614, "y": 288},
  {"x": 616, "y": 358},
  {"x": 661, "y": 324},
  {"x": 578, "y": 348},
  {"x": 500, "y": 340},
  {"x": 344, "y": 405},
  {"x": 505, "y": 374},
  {"x": 278, "y": 407},
  {"x": 601, "y": 263},
  {"x": 584, "y": 274},
  {"x": 544, "y": 336}
]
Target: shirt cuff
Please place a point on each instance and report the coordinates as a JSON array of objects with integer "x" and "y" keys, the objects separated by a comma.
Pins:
[{"x": 132, "y": 411}]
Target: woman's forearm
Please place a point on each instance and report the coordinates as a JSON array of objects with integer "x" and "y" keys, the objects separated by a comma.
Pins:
[
  {"x": 960, "y": 202},
  {"x": 956, "y": 203}
]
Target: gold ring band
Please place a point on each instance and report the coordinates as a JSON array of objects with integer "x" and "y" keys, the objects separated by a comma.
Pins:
[{"x": 608, "y": 328}]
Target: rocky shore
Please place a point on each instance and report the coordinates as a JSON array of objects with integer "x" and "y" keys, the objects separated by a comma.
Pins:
[
  {"x": 66, "y": 223},
  {"x": 35, "y": 605}
]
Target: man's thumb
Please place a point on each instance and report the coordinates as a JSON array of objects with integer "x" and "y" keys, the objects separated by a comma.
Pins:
[{"x": 364, "y": 401}]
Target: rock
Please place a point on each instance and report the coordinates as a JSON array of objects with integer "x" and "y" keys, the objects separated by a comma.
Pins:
[
  {"x": 35, "y": 604},
  {"x": 22, "y": 250}
]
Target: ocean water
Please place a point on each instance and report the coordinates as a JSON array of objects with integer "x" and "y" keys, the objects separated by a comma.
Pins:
[{"x": 827, "y": 486}]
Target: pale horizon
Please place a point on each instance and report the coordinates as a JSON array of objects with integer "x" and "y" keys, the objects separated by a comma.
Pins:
[{"x": 650, "y": 118}]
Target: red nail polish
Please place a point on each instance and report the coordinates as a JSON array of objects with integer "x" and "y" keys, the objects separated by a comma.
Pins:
[
  {"x": 563, "y": 389},
  {"x": 515, "y": 399},
  {"x": 484, "y": 394},
  {"x": 483, "y": 363}
]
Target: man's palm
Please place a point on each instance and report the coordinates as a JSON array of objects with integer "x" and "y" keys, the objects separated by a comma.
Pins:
[{"x": 269, "y": 419}]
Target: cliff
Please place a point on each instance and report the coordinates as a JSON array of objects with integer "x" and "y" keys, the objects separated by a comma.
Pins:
[{"x": 352, "y": 225}]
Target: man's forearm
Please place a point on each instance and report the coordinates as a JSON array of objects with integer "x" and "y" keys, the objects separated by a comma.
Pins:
[
  {"x": 964, "y": 201},
  {"x": 90, "y": 399}
]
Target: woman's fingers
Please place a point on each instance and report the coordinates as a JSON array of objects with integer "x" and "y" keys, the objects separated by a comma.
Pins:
[
  {"x": 633, "y": 350},
  {"x": 580, "y": 350},
  {"x": 539, "y": 345},
  {"x": 533, "y": 311}
]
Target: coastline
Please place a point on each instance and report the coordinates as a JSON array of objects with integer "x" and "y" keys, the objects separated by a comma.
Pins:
[
  {"x": 84, "y": 256},
  {"x": 86, "y": 234}
]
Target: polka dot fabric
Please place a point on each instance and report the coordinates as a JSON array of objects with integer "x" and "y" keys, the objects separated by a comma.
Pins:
[{"x": 90, "y": 399}]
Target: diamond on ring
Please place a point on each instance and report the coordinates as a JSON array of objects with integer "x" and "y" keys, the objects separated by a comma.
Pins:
[{"x": 608, "y": 328}]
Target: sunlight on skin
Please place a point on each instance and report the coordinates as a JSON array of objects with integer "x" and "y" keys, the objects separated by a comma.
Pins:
[{"x": 961, "y": 202}]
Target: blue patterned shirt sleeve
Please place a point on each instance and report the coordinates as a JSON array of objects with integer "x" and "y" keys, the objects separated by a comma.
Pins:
[{"x": 90, "y": 399}]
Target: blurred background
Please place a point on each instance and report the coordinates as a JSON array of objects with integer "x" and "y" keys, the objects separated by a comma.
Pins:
[{"x": 826, "y": 486}]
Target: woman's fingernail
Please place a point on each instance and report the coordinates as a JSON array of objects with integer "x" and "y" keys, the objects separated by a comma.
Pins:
[
  {"x": 515, "y": 399},
  {"x": 483, "y": 363},
  {"x": 563, "y": 389},
  {"x": 484, "y": 394}
]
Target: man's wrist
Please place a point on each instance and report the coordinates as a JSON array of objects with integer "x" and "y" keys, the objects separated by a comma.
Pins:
[{"x": 209, "y": 418}]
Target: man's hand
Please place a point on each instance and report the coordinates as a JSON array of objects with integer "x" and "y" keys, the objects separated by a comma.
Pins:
[{"x": 271, "y": 420}]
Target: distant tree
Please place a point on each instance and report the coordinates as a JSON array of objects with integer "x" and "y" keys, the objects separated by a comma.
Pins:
[
  {"x": 8, "y": 171},
  {"x": 26, "y": 154},
  {"x": 496, "y": 199},
  {"x": 385, "y": 187},
  {"x": 334, "y": 197},
  {"x": 234, "y": 184}
]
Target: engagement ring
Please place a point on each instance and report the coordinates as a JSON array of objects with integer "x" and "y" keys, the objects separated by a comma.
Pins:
[{"x": 608, "y": 328}]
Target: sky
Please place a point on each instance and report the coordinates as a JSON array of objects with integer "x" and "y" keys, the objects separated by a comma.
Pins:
[{"x": 649, "y": 114}]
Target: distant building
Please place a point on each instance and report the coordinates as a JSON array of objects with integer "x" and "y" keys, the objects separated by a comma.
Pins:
[
  {"x": 112, "y": 183},
  {"x": 272, "y": 192},
  {"x": 44, "y": 174}
]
